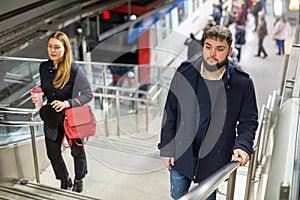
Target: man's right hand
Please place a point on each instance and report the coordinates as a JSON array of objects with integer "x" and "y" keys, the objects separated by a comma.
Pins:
[{"x": 168, "y": 161}]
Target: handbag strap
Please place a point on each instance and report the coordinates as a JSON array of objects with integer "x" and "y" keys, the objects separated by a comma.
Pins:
[
  {"x": 78, "y": 144},
  {"x": 70, "y": 141}
]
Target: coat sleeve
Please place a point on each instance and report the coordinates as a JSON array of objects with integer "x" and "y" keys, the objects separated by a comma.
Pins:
[
  {"x": 82, "y": 89},
  {"x": 247, "y": 122},
  {"x": 169, "y": 122}
]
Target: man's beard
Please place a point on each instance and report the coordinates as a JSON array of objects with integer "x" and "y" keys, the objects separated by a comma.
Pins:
[{"x": 213, "y": 68}]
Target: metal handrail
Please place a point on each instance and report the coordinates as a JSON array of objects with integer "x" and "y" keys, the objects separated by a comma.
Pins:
[
  {"x": 12, "y": 110},
  {"x": 31, "y": 125},
  {"x": 84, "y": 62},
  {"x": 147, "y": 100},
  {"x": 20, "y": 123},
  {"x": 205, "y": 188},
  {"x": 149, "y": 97},
  {"x": 263, "y": 132},
  {"x": 31, "y": 112},
  {"x": 210, "y": 184}
]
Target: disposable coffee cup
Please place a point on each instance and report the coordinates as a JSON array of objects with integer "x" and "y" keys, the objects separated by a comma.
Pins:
[{"x": 37, "y": 91}]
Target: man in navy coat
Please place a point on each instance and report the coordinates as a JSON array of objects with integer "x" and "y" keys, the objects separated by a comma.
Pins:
[{"x": 210, "y": 115}]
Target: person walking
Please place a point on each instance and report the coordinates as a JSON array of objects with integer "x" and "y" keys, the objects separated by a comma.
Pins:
[
  {"x": 256, "y": 8},
  {"x": 210, "y": 115},
  {"x": 240, "y": 38},
  {"x": 241, "y": 14},
  {"x": 210, "y": 23},
  {"x": 194, "y": 46},
  {"x": 216, "y": 13},
  {"x": 264, "y": 6},
  {"x": 262, "y": 32},
  {"x": 63, "y": 83},
  {"x": 227, "y": 17},
  {"x": 281, "y": 32}
]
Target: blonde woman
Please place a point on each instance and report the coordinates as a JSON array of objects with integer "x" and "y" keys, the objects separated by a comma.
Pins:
[{"x": 62, "y": 81}]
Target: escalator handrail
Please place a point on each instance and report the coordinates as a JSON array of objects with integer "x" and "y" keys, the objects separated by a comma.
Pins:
[
  {"x": 20, "y": 123},
  {"x": 13, "y": 110}
]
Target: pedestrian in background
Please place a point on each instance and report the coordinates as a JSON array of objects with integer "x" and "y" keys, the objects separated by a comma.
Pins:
[
  {"x": 62, "y": 81},
  {"x": 216, "y": 14},
  {"x": 262, "y": 32},
  {"x": 227, "y": 16},
  {"x": 256, "y": 8},
  {"x": 194, "y": 46},
  {"x": 239, "y": 38},
  {"x": 264, "y": 6},
  {"x": 210, "y": 115},
  {"x": 241, "y": 14},
  {"x": 281, "y": 32},
  {"x": 210, "y": 23}
]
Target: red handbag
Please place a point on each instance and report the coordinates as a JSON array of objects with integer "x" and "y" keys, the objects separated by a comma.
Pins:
[{"x": 79, "y": 123}]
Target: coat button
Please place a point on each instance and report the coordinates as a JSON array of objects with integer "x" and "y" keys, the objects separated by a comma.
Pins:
[
  {"x": 219, "y": 152},
  {"x": 227, "y": 87},
  {"x": 183, "y": 123},
  {"x": 180, "y": 143}
]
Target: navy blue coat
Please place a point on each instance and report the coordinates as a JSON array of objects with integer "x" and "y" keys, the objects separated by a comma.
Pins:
[
  {"x": 77, "y": 87},
  {"x": 232, "y": 123}
]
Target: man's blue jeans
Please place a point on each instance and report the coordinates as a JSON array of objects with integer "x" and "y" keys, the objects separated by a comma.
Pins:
[{"x": 180, "y": 185}]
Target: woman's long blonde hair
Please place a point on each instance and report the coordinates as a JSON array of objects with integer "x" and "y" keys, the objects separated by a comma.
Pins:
[{"x": 64, "y": 67}]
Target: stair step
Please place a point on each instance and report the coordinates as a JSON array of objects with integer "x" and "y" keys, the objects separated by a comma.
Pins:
[
  {"x": 129, "y": 145},
  {"x": 29, "y": 190}
]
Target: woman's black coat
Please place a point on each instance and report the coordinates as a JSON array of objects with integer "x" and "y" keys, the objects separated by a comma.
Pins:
[{"x": 77, "y": 87}]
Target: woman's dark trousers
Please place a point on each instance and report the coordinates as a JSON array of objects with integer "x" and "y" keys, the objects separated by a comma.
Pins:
[{"x": 57, "y": 161}]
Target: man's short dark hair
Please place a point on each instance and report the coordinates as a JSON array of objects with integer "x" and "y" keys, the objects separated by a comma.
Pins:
[{"x": 219, "y": 32}]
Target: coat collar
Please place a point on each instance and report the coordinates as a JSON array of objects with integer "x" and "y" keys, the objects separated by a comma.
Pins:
[{"x": 188, "y": 69}]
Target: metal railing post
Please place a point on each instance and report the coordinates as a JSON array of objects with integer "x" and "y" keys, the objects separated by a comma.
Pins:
[
  {"x": 251, "y": 174},
  {"x": 118, "y": 111},
  {"x": 136, "y": 79},
  {"x": 262, "y": 133},
  {"x": 34, "y": 151},
  {"x": 105, "y": 99},
  {"x": 147, "y": 113},
  {"x": 231, "y": 186},
  {"x": 284, "y": 191},
  {"x": 159, "y": 85}
]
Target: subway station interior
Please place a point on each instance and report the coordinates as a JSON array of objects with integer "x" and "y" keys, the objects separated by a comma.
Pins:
[{"x": 129, "y": 51}]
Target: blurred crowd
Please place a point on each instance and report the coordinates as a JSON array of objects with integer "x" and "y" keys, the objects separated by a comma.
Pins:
[{"x": 235, "y": 13}]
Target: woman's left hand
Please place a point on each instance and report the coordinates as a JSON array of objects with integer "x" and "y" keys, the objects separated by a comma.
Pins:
[{"x": 58, "y": 105}]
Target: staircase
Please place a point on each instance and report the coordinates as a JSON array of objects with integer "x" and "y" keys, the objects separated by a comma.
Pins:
[{"x": 24, "y": 189}]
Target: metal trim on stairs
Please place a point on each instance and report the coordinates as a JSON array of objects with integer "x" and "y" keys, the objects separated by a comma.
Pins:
[{"x": 29, "y": 190}]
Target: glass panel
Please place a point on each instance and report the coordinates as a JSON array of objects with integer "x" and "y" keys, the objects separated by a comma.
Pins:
[
  {"x": 129, "y": 84},
  {"x": 17, "y": 79}
]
